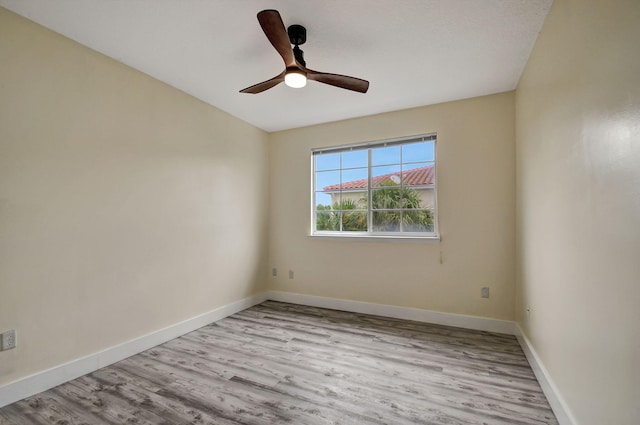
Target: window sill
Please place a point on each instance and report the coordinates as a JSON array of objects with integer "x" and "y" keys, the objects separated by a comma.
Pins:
[{"x": 400, "y": 238}]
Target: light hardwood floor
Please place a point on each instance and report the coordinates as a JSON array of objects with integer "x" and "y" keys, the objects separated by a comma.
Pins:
[{"x": 278, "y": 363}]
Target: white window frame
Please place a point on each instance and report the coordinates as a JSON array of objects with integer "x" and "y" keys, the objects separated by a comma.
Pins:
[{"x": 370, "y": 234}]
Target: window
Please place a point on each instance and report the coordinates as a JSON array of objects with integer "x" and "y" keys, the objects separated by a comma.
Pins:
[{"x": 385, "y": 188}]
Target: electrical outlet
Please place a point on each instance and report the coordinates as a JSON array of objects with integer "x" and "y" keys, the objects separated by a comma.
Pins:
[
  {"x": 274, "y": 272},
  {"x": 484, "y": 292},
  {"x": 290, "y": 274},
  {"x": 8, "y": 340}
]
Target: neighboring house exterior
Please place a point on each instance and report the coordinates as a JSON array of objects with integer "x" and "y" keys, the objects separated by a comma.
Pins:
[{"x": 422, "y": 180}]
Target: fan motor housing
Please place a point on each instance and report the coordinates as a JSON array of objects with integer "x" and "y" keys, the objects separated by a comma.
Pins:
[{"x": 297, "y": 34}]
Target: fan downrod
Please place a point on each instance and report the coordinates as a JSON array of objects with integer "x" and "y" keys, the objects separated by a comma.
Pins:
[{"x": 298, "y": 36}]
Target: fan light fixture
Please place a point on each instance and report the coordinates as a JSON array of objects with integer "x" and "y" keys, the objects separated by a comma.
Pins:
[{"x": 295, "y": 79}]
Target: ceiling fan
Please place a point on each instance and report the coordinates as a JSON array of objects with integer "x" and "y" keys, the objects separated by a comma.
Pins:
[{"x": 296, "y": 72}]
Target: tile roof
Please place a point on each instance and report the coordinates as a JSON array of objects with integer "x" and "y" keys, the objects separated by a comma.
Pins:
[{"x": 414, "y": 177}]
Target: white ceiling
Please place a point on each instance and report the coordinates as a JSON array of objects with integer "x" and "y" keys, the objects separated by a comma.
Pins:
[{"x": 413, "y": 52}]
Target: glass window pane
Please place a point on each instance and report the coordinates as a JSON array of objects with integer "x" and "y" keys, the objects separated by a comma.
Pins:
[
  {"x": 386, "y": 221},
  {"x": 418, "y": 152},
  {"x": 327, "y": 161},
  {"x": 417, "y": 221},
  {"x": 427, "y": 198},
  {"x": 356, "y": 158},
  {"x": 328, "y": 180},
  {"x": 385, "y": 155},
  {"x": 417, "y": 198},
  {"x": 352, "y": 201},
  {"x": 418, "y": 174},
  {"x": 354, "y": 221},
  {"x": 385, "y": 176},
  {"x": 386, "y": 198},
  {"x": 355, "y": 179},
  {"x": 327, "y": 221},
  {"x": 354, "y": 188},
  {"x": 324, "y": 200}
]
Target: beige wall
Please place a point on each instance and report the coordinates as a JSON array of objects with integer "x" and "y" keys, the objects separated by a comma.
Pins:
[
  {"x": 476, "y": 204},
  {"x": 118, "y": 209},
  {"x": 578, "y": 206}
]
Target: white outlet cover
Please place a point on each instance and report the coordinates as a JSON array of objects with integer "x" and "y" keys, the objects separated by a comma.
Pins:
[{"x": 8, "y": 340}]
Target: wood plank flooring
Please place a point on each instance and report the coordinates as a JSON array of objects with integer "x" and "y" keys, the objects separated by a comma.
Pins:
[{"x": 278, "y": 363}]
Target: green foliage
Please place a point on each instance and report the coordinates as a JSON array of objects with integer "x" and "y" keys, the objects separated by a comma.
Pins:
[
  {"x": 400, "y": 202},
  {"x": 328, "y": 217},
  {"x": 393, "y": 207},
  {"x": 355, "y": 221}
]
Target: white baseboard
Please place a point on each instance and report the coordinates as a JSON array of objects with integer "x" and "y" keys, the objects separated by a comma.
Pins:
[
  {"x": 556, "y": 401},
  {"x": 41, "y": 381},
  {"x": 407, "y": 313}
]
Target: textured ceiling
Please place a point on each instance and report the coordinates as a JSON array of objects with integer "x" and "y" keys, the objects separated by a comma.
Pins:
[{"x": 414, "y": 52}]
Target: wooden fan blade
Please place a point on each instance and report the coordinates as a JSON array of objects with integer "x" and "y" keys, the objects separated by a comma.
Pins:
[
  {"x": 342, "y": 81},
  {"x": 265, "y": 85},
  {"x": 274, "y": 29}
]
